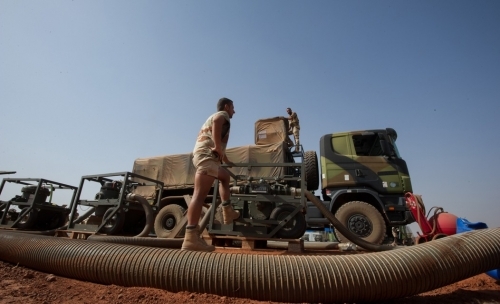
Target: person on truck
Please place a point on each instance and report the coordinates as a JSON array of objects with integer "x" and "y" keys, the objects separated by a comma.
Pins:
[
  {"x": 208, "y": 154},
  {"x": 294, "y": 127}
]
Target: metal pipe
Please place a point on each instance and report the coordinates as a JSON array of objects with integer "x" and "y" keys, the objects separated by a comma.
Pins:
[
  {"x": 282, "y": 278},
  {"x": 206, "y": 218}
]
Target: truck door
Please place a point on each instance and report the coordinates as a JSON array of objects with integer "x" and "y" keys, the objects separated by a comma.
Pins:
[
  {"x": 373, "y": 166},
  {"x": 363, "y": 159}
]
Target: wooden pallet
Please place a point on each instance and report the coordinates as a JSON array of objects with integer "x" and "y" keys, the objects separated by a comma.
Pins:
[
  {"x": 74, "y": 234},
  {"x": 252, "y": 243}
]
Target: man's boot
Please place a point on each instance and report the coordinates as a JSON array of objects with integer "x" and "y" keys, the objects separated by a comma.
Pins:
[
  {"x": 192, "y": 241},
  {"x": 229, "y": 214}
]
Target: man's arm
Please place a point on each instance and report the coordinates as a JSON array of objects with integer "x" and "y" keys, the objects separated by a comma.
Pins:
[{"x": 217, "y": 134}]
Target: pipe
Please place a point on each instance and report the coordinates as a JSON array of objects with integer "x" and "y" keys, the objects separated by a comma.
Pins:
[
  {"x": 282, "y": 278},
  {"x": 342, "y": 229},
  {"x": 307, "y": 245},
  {"x": 148, "y": 211},
  {"x": 36, "y": 232},
  {"x": 173, "y": 243},
  {"x": 138, "y": 241},
  {"x": 206, "y": 218}
]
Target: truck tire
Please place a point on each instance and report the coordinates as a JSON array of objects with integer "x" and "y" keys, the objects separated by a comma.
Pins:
[
  {"x": 363, "y": 220},
  {"x": 295, "y": 228},
  {"x": 28, "y": 220},
  {"x": 114, "y": 224},
  {"x": 166, "y": 220},
  {"x": 312, "y": 174}
]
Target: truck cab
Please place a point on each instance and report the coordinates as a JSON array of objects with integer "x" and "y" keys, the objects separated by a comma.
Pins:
[{"x": 363, "y": 182}]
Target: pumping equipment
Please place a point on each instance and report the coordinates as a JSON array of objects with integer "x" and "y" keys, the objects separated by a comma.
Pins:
[
  {"x": 439, "y": 225},
  {"x": 31, "y": 210},
  {"x": 115, "y": 209},
  {"x": 270, "y": 207}
]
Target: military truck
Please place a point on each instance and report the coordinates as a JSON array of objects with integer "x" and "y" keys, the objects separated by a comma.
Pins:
[
  {"x": 363, "y": 182},
  {"x": 363, "y": 179}
]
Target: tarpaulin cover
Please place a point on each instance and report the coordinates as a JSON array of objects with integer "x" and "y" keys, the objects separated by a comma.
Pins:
[
  {"x": 272, "y": 130},
  {"x": 177, "y": 171}
]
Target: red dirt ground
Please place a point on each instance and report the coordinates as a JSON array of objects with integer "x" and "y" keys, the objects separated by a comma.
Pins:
[{"x": 23, "y": 285}]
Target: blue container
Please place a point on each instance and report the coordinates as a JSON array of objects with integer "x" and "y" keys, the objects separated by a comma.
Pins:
[
  {"x": 464, "y": 225},
  {"x": 330, "y": 236}
]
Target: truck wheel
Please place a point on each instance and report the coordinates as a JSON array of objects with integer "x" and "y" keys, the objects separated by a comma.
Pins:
[
  {"x": 311, "y": 167},
  {"x": 362, "y": 219},
  {"x": 295, "y": 228},
  {"x": 28, "y": 220},
  {"x": 115, "y": 223},
  {"x": 166, "y": 220}
]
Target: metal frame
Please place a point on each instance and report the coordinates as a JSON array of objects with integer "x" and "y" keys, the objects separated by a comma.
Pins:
[
  {"x": 249, "y": 227},
  {"x": 128, "y": 180},
  {"x": 32, "y": 200}
]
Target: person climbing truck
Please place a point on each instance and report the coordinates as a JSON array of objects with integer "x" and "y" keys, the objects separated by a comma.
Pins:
[
  {"x": 208, "y": 155},
  {"x": 294, "y": 128}
]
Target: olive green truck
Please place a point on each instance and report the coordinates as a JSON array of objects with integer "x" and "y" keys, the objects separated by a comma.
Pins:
[{"x": 363, "y": 181}]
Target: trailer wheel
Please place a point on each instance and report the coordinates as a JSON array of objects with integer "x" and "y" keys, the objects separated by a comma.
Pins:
[
  {"x": 166, "y": 220},
  {"x": 295, "y": 228},
  {"x": 311, "y": 167},
  {"x": 29, "y": 219},
  {"x": 362, "y": 219},
  {"x": 115, "y": 224}
]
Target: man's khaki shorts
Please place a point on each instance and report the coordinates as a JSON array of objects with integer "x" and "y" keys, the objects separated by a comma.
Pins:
[{"x": 207, "y": 166}]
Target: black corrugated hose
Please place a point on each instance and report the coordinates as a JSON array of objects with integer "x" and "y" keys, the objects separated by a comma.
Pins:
[{"x": 285, "y": 278}]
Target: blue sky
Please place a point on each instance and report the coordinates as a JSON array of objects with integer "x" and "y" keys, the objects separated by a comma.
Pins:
[{"x": 86, "y": 87}]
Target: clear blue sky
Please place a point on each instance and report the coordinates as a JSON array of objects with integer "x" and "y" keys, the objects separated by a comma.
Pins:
[{"x": 86, "y": 87}]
